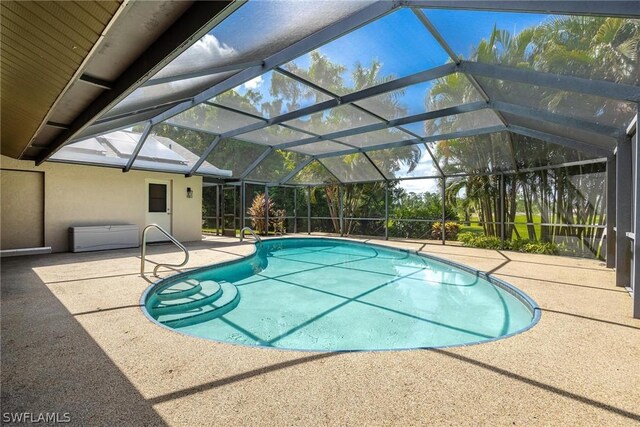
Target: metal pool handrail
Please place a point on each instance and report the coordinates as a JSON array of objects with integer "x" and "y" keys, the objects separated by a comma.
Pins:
[
  {"x": 255, "y": 236},
  {"x": 143, "y": 250}
]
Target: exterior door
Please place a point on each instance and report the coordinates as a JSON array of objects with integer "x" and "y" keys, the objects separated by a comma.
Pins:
[
  {"x": 22, "y": 201},
  {"x": 158, "y": 208},
  {"x": 229, "y": 211}
]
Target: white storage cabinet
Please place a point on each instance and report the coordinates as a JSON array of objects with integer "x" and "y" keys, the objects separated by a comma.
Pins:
[{"x": 103, "y": 237}]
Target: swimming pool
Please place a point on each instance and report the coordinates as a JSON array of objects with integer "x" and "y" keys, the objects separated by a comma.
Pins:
[{"x": 323, "y": 294}]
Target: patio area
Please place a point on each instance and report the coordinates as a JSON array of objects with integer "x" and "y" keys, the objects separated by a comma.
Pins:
[
  {"x": 76, "y": 341},
  {"x": 499, "y": 136}
]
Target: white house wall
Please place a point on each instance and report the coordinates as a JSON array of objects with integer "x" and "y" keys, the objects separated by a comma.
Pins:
[{"x": 76, "y": 195}]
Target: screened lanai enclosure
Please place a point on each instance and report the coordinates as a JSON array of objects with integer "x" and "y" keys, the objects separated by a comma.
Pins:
[{"x": 499, "y": 124}]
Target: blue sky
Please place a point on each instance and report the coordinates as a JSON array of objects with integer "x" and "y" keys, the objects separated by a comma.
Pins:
[
  {"x": 403, "y": 46},
  {"x": 463, "y": 29},
  {"x": 460, "y": 27},
  {"x": 425, "y": 167},
  {"x": 398, "y": 41}
]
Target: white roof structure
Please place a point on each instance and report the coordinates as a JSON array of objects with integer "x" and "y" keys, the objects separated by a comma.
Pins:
[{"x": 377, "y": 90}]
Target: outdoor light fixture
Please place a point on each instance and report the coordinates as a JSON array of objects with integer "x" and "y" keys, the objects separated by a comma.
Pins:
[{"x": 189, "y": 193}]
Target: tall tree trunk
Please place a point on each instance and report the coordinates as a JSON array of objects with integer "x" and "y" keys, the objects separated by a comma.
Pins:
[
  {"x": 487, "y": 216},
  {"x": 528, "y": 208},
  {"x": 544, "y": 206},
  {"x": 333, "y": 202},
  {"x": 513, "y": 193},
  {"x": 496, "y": 206}
]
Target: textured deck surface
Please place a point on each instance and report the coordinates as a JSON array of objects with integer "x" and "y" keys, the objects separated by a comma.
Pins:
[{"x": 74, "y": 340}]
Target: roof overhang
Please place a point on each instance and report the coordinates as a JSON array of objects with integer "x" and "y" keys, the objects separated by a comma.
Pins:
[{"x": 63, "y": 60}]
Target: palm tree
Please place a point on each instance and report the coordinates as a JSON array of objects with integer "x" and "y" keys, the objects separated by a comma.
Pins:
[
  {"x": 475, "y": 155},
  {"x": 329, "y": 75},
  {"x": 597, "y": 48}
]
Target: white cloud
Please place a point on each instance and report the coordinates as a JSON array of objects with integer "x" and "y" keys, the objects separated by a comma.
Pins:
[
  {"x": 253, "y": 83},
  {"x": 209, "y": 48},
  {"x": 420, "y": 185},
  {"x": 206, "y": 52},
  {"x": 424, "y": 168}
]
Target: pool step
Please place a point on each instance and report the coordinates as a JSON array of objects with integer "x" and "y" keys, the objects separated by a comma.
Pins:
[
  {"x": 182, "y": 289},
  {"x": 209, "y": 292},
  {"x": 227, "y": 301}
]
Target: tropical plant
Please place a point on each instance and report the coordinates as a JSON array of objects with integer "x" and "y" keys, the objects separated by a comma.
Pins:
[
  {"x": 597, "y": 48},
  {"x": 330, "y": 76},
  {"x": 278, "y": 221},
  {"x": 520, "y": 245},
  {"x": 415, "y": 214},
  {"x": 451, "y": 230},
  {"x": 260, "y": 205}
]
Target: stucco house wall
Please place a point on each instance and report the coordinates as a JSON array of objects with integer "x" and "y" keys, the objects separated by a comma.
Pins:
[{"x": 76, "y": 195}]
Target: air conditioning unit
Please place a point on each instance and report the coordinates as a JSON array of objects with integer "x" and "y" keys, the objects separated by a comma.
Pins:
[{"x": 103, "y": 237}]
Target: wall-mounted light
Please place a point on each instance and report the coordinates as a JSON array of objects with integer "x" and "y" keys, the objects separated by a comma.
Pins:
[{"x": 189, "y": 193}]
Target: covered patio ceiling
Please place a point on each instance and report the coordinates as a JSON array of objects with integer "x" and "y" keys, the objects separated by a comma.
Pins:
[{"x": 310, "y": 93}]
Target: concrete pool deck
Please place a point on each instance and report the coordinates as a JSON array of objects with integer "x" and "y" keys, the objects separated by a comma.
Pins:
[{"x": 74, "y": 340}]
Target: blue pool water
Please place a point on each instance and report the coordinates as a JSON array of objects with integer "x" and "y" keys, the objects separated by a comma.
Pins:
[{"x": 329, "y": 294}]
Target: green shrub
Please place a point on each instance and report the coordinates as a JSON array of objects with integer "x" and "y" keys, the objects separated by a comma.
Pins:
[
  {"x": 451, "y": 230},
  {"x": 479, "y": 241},
  {"x": 425, "y": 206},
  {"x": 466, "y": 238},
  {"x": 410, "y": 229},
  {"x": 520, "y": 245},
  {"x": 547, "y": 248}
]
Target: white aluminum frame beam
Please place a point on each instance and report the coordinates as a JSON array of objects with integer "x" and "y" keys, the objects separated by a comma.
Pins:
[
  {"x": 471, "y": 69},
  {"x": 555, "y": 139},
  {"x": 295, "y": 171},
  {"x": 564, "y": 82},
  {"x": 547, "y": 116},
  {"x": 635, "y": 264},
  {"x": 611, "y": 211},
  {"x": 453, "y": 135},
  {"x": 621, "y": 9},
  {"x": 136, "y": 151},
  {"x": 393, "y": 85},
  {"x": 335, "y": 30},
  {"x": 197, "y": 21},
  {"x": 429, "y": 115},
  {"x": 206, "y": 154},
  {"x": 256, "y": 162},
  {"x": 201, "y": 73}
]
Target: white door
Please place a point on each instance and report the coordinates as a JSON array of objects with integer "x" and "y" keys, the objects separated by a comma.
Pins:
[{"x": 158, "y": 208}]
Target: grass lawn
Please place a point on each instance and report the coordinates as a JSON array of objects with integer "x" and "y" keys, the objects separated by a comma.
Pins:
[
  {"x": 212, "y": 230},
  {"x": 475, "y": 227},
  {"x": 520, "y": 221}
]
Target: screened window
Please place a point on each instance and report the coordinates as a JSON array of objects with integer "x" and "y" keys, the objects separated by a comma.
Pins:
[{"x": 157, "y": 198}]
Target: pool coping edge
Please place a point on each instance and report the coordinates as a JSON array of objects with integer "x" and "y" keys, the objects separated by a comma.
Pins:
[{"x": 520, "y": 295}]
